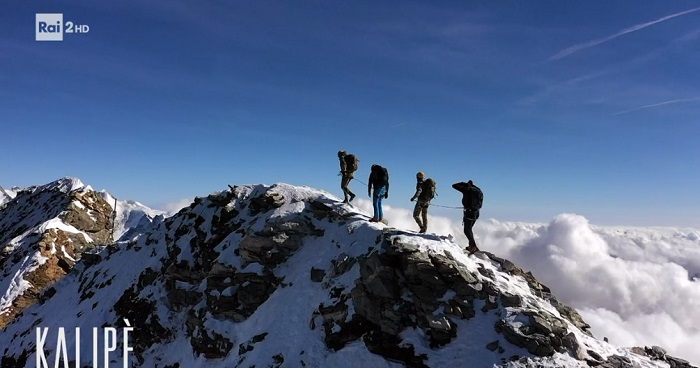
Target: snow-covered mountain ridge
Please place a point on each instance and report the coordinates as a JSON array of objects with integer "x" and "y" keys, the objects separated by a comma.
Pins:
[
  {"x": 289, "y": 276},
  {"x": 44, "y": 230}
]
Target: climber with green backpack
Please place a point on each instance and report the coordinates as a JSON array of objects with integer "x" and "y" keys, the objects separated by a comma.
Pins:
[
  {"x": 348, "y": 166},
  {"x": 425, "y": 192}
]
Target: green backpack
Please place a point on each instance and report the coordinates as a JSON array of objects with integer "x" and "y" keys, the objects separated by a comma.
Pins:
[{"x": 351, "y": 163}]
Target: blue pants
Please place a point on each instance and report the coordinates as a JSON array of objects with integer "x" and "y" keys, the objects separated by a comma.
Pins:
[{"x": 377, "y": 202}]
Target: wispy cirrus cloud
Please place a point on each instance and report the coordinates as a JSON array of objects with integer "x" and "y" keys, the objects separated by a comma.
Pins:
[
  {"x": 576, "y": 48},
  {"x": 669, "y": 102}
]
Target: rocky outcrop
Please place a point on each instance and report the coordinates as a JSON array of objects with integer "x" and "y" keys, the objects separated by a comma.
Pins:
[
  {"x": 201, "y": 286},
  {"x": 48, "y": 228},
  {"x": 659, "y": 353},
  {"x": 402, "y": 287}
]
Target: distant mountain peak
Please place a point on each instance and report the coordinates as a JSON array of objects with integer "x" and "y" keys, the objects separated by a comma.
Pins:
[
  {"x": 44, "y": 230},
  {"x": 67, "y": 184}
]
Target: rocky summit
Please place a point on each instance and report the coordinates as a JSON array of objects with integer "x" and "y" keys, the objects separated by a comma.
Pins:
[{"x": 285, "y": 276}]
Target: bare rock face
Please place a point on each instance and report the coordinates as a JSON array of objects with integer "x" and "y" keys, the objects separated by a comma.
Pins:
[
  {"x": 90, "y": 213},
  {"x": 398, "y": 289}
]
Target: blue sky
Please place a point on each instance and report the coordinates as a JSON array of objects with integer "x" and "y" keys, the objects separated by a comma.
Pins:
[{"x": 590, "y": 107}]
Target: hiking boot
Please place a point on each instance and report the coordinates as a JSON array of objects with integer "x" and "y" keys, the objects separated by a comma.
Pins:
[
  {"x": 352, "y": 196},
  {"x": 346, "y": 201},
  {"x": 422, "y": 230},
  {"x": 373, "y": 220},
  {"x": 472, "y": 249}
]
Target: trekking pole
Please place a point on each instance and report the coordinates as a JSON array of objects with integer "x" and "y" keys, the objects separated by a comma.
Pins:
[{"x": 359, "y": 181}]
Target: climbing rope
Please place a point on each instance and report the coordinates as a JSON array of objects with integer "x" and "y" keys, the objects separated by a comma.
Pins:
[
  {"x": 456, "y": 208},
  {"x": 436, "y": 205}
]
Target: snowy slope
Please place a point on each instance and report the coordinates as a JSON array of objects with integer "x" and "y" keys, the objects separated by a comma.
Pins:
[{"x": 284, "y": 276}]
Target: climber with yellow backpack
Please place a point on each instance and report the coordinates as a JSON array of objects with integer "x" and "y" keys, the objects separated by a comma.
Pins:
[{"x": 425, "y": 192}]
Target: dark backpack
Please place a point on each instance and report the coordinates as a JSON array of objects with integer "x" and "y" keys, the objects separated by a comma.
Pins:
[
  {"x": 477, "y": 197},
  {"x": 351, "y": 163},
  {"x": 381, "y": 176},
  {"x": 428, "y": 189}
]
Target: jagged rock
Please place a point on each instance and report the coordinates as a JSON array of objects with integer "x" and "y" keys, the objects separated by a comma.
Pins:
[
  {"x": 459, "y": 279},
  {"x": 658, "y": 353},
  {"x": 546, "y": 324},
  {"x": 466, "y": 306},
  {"x": 595, "y": 357},
  {"x": 391, "y": 347},
  {"x": 268, "y": 201},
  {"x": 423, "y": 278},
  {"x": 493, "y": 346},
  {"x": 267, "y": 250},
  {"x": 570, "y": 314},
  {"x": 396, "y": 247},
  {"x": 342, "y": 264},
  {"x": 299, "y": 225},
  {"x": 221, "y": 270},
  {"x": 210, "y": 345},
  {"x": 511, "y": 300},
  {"x": 442, "y": 330},
  {"x": 678, "y": 362},
  {"x": 91, "y": 258},
  {"x": 378, "y": 279},
  {"x": 570, "y": 342},
  {"x": 317, "y": 274},
  {"x": 528, "y": 337},
  {"x": 491, "y": 303}
]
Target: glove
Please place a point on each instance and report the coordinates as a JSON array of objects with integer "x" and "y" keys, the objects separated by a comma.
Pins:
[
  {"x": 386, "y": 195},
  {"x": 413, "y": 199},
  {"x": 369, "y": 194}
]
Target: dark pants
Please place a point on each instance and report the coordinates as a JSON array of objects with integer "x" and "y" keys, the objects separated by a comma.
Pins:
[
  {"x": 421, "y": 211},
  {"x": 469, "y": 219},
  {"x": 344, "y": 182}
]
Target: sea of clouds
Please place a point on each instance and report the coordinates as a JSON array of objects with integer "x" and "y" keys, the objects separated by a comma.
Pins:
[{"x": 635, "y": 286}]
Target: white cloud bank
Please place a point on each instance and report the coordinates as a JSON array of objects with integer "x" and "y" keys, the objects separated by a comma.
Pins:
[{"x": 636, "y": 286}]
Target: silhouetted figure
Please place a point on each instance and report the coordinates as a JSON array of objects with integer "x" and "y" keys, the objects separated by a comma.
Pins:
[{"x": 472, "y": 199}]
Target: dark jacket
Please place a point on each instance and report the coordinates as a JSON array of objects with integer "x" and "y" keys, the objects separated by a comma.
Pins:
[
  {"x": 378, "y": 177},
  {"x": 472, "y": 197}
]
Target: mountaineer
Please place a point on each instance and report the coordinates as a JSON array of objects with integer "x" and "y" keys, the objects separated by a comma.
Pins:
[
  {"x": 379, "y": 181},
  {"x": 472, "y": 199},
  {"x": 348, "y": 166},
  {"x": 425, "y": 192}
]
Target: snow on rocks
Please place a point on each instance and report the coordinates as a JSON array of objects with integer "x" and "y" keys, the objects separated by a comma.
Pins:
[{"x": 289, "y": 276}]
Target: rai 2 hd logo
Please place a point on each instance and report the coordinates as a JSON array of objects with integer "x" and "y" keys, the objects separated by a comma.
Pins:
[{"x": 51, "y": 27}]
